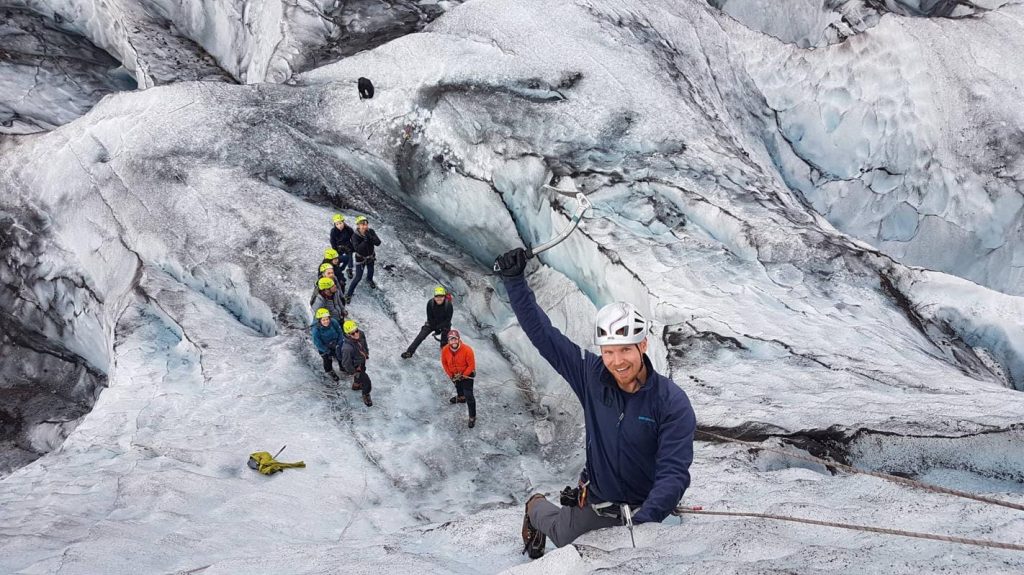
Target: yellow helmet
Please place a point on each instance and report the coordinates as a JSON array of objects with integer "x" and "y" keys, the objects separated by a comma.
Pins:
[
  {"x": 439, "y": 290},
  {"x": 360, "y": 219},
  {"x": 338, "y": 218},
  {"x": 324, "y": 283},
  {"x": 322, "y": 313},
  {"x": 330, "y": 253},
  {"x": 350, "y": 326},
  {"x": 325, "y": 266}
]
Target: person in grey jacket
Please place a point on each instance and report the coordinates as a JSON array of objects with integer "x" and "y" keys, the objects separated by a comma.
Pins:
[{"x": 328, "y": 296}]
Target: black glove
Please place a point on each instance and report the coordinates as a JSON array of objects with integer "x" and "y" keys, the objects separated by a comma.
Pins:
[{"x": 511, "y": 263}]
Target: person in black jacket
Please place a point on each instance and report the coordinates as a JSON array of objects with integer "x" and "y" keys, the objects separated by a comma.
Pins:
[
  {"x": 332, "y": 257},
  {"x": 364, "y": 241},
  {"x": 341, "y": 240},
  {"x": 439, "y": 321},
  {"x": 352, "y": 354}
]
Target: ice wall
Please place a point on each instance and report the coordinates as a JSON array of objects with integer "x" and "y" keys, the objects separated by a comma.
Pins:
[
  {"x": 50, "y": 75},
  {"x": 901, "y": 138}
]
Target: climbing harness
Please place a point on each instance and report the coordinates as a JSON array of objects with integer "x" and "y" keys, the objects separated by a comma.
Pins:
[{"x": 583, "y": 204}]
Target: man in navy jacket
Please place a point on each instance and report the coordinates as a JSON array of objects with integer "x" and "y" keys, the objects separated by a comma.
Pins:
[{"x": 639, "y": 423}]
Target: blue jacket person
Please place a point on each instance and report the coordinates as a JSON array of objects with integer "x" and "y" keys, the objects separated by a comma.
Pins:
[{"x": 639, "y": 423}]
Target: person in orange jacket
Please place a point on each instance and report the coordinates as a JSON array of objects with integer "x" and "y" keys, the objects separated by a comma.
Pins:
[{"x": 459, "y": 363}]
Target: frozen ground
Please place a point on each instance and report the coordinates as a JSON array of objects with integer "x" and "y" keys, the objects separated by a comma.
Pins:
[
  {"x": 60, "y": 57},
  {"x": 49, "y": 76},
  {"x": 161, "y": 249}
]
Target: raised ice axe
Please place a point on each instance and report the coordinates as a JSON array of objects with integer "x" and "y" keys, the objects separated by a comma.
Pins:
[{"x": 583, "y": 204}]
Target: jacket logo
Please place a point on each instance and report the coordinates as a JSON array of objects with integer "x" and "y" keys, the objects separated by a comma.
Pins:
[{"x": 647, "y": 420}]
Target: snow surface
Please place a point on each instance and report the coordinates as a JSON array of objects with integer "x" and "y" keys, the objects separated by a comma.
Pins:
[
  {"x": 164, "y": 244},
  {"x": 908, "y": 136},
  {"x": 49, "y": 76}
]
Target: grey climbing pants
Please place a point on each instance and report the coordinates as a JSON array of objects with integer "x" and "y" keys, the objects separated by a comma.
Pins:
[{"x": 563, "y": 525}]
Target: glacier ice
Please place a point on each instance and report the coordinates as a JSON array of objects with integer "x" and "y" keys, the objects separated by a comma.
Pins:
[
  {"x": 50, "y": 75},
  {"x": 165, "y": 244}
]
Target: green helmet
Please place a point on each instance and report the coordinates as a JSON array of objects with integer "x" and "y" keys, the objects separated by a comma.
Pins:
[
  {"x": 324, "y": 267},
  {"x": 439, "y": 290},
  {"x": 350, "y": 326},
  {"x": 325, "y": 283},
  {"x": 360, "y": 219},
  {"x": 330, "y": 254},
  {"x": 322, "y": 313},
  {"x": 338, "y": 218}
]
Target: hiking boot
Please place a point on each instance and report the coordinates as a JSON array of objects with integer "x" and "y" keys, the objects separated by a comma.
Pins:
[
  {"x": 356, "y": 386},
  {"x": 333, "y": 375},
  {"x": 533, "y": 540},
  {"x": 406, "y": 355},
  {"x": 372, "y": 283},
  {"x": 348, "y": 272},
  {"x": 457, "y": 399},
  {"x": 367, "y": 400},
  {"x": 472, "y": 422}
]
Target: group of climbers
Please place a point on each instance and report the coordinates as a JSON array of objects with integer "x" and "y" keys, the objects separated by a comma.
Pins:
[
  {"x": 335, "y": 336},
  {"x": 639, "y": 424},
  {"x": 338, "y": 338}
]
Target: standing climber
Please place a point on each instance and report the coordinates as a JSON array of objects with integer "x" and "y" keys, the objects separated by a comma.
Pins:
[
  {"x": 353, "y": 355},
  {"x": 364, "y": 241},
  {"x": 341, "y": 241},
  {"x": 459, "y": 362},
  {"x": 326, "y": 271},
  {"x": 639, "y": 424},
  {"x": 439, "y": 321},
  {"x": 327, "y": 335},
  {"x": 329, "y": 297},
  {"x": 331, "y": 256}
]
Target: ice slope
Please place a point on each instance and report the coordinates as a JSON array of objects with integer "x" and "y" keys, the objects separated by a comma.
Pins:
[
  {"x": 162, "y": 41},
  {"x": 818, "y": 23},
  {"x": 182, "y": 224},
  {"x": 908, "y": 136},
  {"x": 49, "y": 76},
  {"x": 70, "y": 54}
]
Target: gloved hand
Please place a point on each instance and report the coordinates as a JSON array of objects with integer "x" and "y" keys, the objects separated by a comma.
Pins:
[{"x": 511, "y": 263}]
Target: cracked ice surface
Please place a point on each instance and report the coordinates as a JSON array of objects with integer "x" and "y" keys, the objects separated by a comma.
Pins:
[
  {"x": 49, "y": 76},
  {"x": 162, "y": 41},
  {"x": 188, "y": 220},
  {"x": 818, "y": 23},
  {"x": 908, "y": 137},
  {"x": 59, "y": 71}
]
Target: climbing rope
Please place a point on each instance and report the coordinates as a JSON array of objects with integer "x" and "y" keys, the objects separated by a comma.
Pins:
[
  {"x": 514, "y": 385},
  {"x": 886, "y": 476},
  {"x": 679, "y": 511}
]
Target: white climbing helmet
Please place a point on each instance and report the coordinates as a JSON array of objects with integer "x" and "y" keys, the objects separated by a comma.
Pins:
[{"x": 620, "y": 323}]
